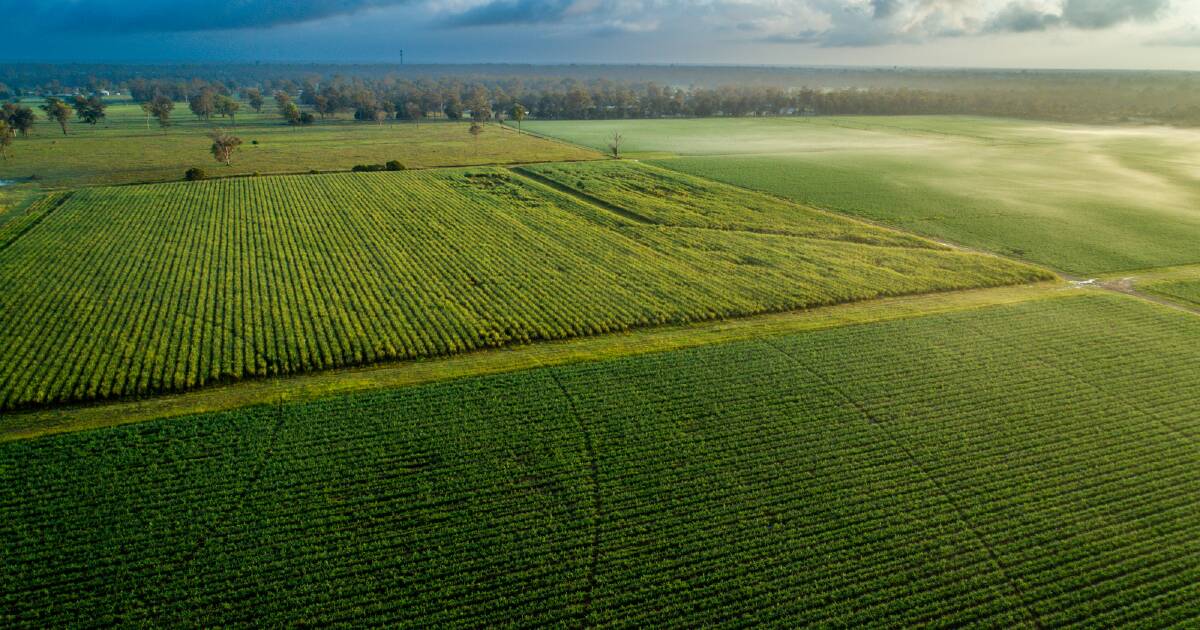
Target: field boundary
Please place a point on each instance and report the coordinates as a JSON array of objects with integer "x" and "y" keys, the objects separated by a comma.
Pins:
[
  {"x": 53, "y": 205},
  {"x": 311, "y": 385},
  {"x": 624, "y": 213}
]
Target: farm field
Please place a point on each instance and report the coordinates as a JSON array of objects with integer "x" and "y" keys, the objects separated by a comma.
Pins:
[
  {"x": 1086, "y": 200},
  {"x": 122, "y": 150},
  {"x": 1186, "y": 291},
  {"x": 147, "y": 289},
  {"x": 1000, "y": 467}
]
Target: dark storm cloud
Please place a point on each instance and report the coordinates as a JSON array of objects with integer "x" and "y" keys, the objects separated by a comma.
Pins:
[
  {"x": 1097, "y": 14},
  {"x": 1082, "y": 14},
  {"x": 504, "y": 12},
  {"x": 148, "y": 16},
  {"x": 884, "y": 9},
  {"x": 1015, "y": 18}
]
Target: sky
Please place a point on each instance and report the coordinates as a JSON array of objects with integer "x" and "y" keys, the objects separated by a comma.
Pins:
[{"x": 1126, "y": 34}]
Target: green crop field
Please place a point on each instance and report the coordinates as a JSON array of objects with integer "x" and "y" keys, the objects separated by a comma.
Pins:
[
  {"x": 1186, "y": 291},
  {"x": 122, "y": 150},
  {"x": 1002, "y": 467},
  {"x": 1087, "y": 200},
  {"x": 142, "y": 289}
]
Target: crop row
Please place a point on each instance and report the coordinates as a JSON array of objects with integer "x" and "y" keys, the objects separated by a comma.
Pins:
[
  {"x": 663, "y": 197},
  {"x": 145, "y": 289},
  {"x": 1002, "y": 467}
]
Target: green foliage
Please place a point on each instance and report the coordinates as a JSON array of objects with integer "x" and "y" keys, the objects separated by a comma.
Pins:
[
  {"x": 1003, "y": 467},
  {"x": 300, "y": 273},
  {"x": 394, "y": 165},
  {"x": 195, "y": 174}
]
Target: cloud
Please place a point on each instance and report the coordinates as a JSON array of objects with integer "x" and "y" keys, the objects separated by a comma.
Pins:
[
  {"x": 1099, "y": 14},
  {"x": 1092, "y": 15},
  {"x": 884, "y": 9},
  {"x": 507, "y": 12},
  {"x": 1186, "y": 37},
  {"x": 878, "y": 22},
  {"x": 144, "y": 16},
  {"x": 1020, "y": 18}
]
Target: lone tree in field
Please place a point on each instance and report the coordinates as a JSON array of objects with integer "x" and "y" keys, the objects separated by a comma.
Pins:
[
  {"x": 255, "y": 98},
  {"x": 518, "y": 114},
  {"x": 6, "y": 138},
  {"x": 19, "y": 118},
  {"x": 291, "y": 113},
  {"x": 90, "y": 109},
  {"x": 614, "y": 145},
  {"x": 58, "y": 111},
  {"x": 223, "y": 146},
  {"x": 476, "y": 130},
  {"x": 414, "y": 112},
  {"x": 160, "y": 108},
  {"x": 203, "y": 104},
  {"x": 226, "y": 106}
]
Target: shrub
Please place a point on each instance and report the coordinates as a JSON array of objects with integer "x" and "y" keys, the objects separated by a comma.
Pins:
[
  {"x": 195, "y": 174},
  {"x": 395, "y": 165},
  {"x": 368, "y": 168},
  {"x": 254, "y": 142}
]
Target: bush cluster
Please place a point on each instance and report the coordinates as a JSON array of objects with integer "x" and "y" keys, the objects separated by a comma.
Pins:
[{"x": 393, "y": 165}]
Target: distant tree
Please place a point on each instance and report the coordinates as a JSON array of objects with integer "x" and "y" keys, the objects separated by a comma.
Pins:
[
  {"x": 159, "y": 107},
  {"x": 476, "y": 130},
  {"x": 579, "y": 102},
  {"x": 255, "y": 98},
  {"x": 19, "y": 117},
  {"x": 614, "y": 144},
  {"x": 58, "y": 111},
  {"x": 518, "y": 114},
  {"x": 481, "y": 109},
  {"x": 6, "y": 138},
  {"x": 414, "y": 112},
  {"x": 380, "y": 116},
  {"x": 203, "y": 104},
  {"x": 306, "y": 119},
  {"x": 227, "y": 106},
  {"x": 453, "y": 108},
  {"x": 223, "y": 146},
  {"x": 290, "y": 113},
  {"x": 282, "y": 99},
  {"x": 90, "y": 109}
]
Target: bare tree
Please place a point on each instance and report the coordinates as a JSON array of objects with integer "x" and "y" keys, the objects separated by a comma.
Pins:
[
  {"x": 614, "y": 144},
  {"x": 223, "y": 146}
]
